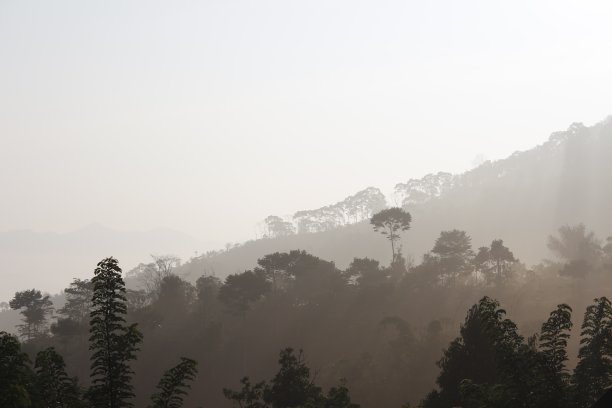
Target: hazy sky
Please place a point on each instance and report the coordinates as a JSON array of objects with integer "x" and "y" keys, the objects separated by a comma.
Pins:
[{"x": 207, "y": 116}]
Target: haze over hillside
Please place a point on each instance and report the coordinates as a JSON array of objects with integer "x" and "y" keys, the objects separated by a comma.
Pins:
[{"x": 521, "y": 199}]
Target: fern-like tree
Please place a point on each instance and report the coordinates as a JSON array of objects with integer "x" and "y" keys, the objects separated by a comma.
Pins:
[
  {"x": 113, "y": 342},
  {"x": 391, "y": 222},
  {"x": 554, "y": 336},
  {"x": 174, "y": 384},
  {"x": 54, "y": 387},
  {"x": 593, "y": 372}
]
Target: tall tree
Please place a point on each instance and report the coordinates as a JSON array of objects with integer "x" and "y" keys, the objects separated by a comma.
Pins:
[
  {"x": 554, "y": 336},
  {"x": 14, "y": 373},
  {"x": 593, "y": 373},
  {"x": 112, "y": 341},
  {"x": 54, "y": 387},
  {"x": 391, "y": 222},
  {"x": 173, "y": 386},
  {"x": 35, "y": 309}
]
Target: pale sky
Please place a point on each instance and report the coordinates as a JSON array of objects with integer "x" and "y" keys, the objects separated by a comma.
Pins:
[{"x": 207, "y": 116}]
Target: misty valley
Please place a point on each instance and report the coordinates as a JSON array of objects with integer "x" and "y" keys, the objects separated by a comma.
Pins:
[{"x": 485, "y": 289}]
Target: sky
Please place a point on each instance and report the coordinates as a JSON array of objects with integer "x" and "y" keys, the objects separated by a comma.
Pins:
[{"x": 208, "y": 116}]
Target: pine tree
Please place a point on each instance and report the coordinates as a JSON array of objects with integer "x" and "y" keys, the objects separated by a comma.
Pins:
[
  {"x": 174, "y": 385},
  {"x": 112, "y": 341}
]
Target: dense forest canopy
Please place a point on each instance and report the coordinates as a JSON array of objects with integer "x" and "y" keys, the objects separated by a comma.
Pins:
[{"x": 297, "y": 331}]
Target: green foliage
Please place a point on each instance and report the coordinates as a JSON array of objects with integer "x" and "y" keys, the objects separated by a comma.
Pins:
[
  {"x": 35, "y": 308},
  {"x": 173, "y": 386},
  {"x": 112, "y": 341},
  {"x": 54, "y": 387},
  {"x": 15, "y": 374}
]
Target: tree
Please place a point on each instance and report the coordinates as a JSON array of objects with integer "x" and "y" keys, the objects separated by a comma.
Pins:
[
  {"x": 174, "y": 384},
  {"x": 152, "y": 274},
  {"x": 554, "y": 335},
  {"x": 35, "y": 309},
  {"x": 575, "y": 243},
  {"x": 14, "y": 373},
  {"x": 593, "y": 372},
  {"x": 454, "y": 250},
  {"x": 292, "y": 386},
  {"x": 175, "y": 297},
  {"x": 495, "y": 262},
  {"x": 277, "y": 227},
  {"x": 112, "y": 341},
  {"x": 391, "y": 222},
  {"x": 338, "y": 397},
  {"x": 502, "y": 258},
  {"x": 240, "y": 290},
  {"x": 76, "y": 309},
  {"x": 54, "y": 387},
  {"x": 484, "y": 354},
  {"x": 78, "y": 300},
  {"x": 366, "y": 272},
  {"x": 249, "y": 396}
]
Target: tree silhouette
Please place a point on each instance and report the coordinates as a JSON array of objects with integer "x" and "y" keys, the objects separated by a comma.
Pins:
[
  {"x": 594, "y": 369},
  {"x": 454, "y": 250},
  {"x": 35, "y": 308},
  {"x": 54, "y": 387},
  {"x": 554, "y": 336},
  {"x": 575, "y": 243},
  {"x": 292, "y": 386},
  {"x": 15, "y": 373},
  {"x": 391, "y": 222},
  {"x": 112, "y": 341},
  {"x": 240, "y": 290},
  {"x": 174, "y": 384}
]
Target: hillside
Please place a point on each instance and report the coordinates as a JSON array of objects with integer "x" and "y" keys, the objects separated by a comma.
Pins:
[{"x": 521, "y": 199}]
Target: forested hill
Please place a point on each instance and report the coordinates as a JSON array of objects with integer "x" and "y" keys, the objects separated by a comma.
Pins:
[{"x": 521, "y": 199}]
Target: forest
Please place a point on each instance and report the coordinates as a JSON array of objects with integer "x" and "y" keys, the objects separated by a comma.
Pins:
[{"x": 468, "y": 326}]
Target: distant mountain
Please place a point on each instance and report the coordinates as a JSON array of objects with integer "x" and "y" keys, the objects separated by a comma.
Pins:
[
  {"x": 49, "y": 261},
  {"x": 521, "y": 199}
]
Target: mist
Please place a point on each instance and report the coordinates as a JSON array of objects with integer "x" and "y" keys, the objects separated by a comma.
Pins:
[{"x": 286, "y": 204}]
